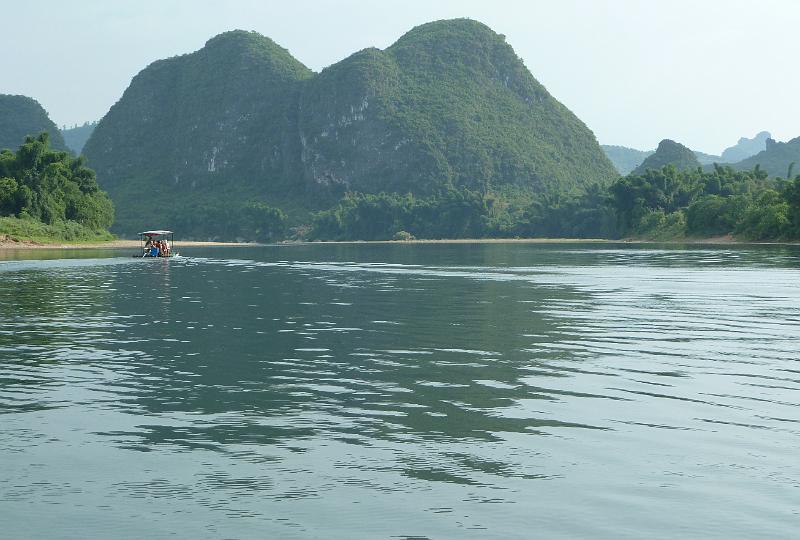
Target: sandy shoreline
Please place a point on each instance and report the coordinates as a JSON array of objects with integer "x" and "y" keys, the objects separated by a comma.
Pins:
[
  {"x": 112, "y": 244},
  {"x": 6, "y": 244}
]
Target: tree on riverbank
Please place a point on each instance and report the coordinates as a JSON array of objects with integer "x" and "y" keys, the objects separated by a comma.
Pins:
[
  {"x": 51, "y": 187},
  {"x": 668, "y": 203}
]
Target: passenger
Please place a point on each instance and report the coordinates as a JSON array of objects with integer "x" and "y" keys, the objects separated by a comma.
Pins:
[
  {"x": 154, "y": 251},
  {"x": 165, "y": 248}
]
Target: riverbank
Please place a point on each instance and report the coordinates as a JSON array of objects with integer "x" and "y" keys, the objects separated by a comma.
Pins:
[{"x": 9, "y": 243}]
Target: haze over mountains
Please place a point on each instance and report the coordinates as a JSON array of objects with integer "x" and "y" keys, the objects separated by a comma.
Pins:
[
  {"x": 626, "y": 159},
  {"x": 75, "y": 137}
]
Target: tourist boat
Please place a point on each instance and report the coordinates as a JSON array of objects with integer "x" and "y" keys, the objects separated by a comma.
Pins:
[{"x": 150, "y": 244}]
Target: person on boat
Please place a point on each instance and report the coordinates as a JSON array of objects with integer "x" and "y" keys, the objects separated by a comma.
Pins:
[
  {"x": 164, "y": 248},
  {"x": 151, "y": 248}
]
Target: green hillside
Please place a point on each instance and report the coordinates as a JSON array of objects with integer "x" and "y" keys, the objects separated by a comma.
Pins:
[
  {"x": 668, "y": 153},
  {"x": 449, "y": 106},
  {"x": 21, "y": 116},
  {"x": 201, "y": 142}
]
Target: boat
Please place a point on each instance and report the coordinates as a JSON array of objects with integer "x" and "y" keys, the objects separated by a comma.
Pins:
[{"x": 157, "y": 243}]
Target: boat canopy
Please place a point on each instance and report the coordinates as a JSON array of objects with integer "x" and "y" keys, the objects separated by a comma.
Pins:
[{"x": 155, "y": 233}]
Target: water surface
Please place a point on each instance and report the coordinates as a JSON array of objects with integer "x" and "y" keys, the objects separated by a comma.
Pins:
[{"x": 402, "y": 391}]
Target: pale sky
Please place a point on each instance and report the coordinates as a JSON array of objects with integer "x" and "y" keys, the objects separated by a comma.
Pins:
[{"x": 702, "y": 72}]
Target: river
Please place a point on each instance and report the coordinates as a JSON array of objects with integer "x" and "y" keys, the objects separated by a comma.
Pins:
[{"x": 402, "y": 391}]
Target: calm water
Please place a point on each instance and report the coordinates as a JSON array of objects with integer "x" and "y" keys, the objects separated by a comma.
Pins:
[{"x": 389, "y": 391}]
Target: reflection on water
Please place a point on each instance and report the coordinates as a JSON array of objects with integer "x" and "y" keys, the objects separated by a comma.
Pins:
[{"x": 440, "y": 391}]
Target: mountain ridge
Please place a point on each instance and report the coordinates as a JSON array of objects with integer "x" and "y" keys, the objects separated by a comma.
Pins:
[{"x": 449, "y": 105}]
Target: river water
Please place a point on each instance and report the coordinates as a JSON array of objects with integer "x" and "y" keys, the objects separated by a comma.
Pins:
[{"x": 402, "y": 391}]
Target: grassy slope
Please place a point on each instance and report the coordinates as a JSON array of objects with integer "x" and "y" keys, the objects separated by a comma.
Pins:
[{"x": 29, "y": 230}]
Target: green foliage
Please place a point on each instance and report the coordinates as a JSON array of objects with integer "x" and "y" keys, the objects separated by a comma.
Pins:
[
  {"x": 672, "y": 204},
  {"x": 51, "y": 187},
  {"x": 29, "y": 229},
  {"x": 465, "y": 214},
  {"x": 237, "y": 221},
  {"x": 21, "y": 116},
  {"x": 766, "y": 218}
]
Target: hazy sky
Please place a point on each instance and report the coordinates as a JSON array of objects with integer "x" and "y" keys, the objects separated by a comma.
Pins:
[{"x": 702, "y": 72}]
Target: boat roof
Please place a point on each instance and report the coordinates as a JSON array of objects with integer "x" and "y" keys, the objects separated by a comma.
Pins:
[{"x": 155, "y": 233}]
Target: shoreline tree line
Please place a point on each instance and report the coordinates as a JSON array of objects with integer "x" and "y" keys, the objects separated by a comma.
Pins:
[{"x": 38, "y": 184}]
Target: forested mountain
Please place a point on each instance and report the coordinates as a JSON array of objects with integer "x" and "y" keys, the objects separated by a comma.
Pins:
[
  {"x": 669, "y": 153},
  {"x": 200, "y": 142},
  {"x": 775, "y": 159},
  {"x": 21, "y": 116},
  {"x": 75, "y": 137},
  {"x": 211, "y": 141},
  {"x": 449, "y": 105},
  {"x": 746, "y": 148}
]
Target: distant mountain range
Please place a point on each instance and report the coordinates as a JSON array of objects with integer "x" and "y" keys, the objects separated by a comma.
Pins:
[
  {"x": 627, "y": 159},
  {"x": 76, "y": 136},
  {"x": 448, "y": 106},
  {"x": 21, "y": 116},
  {"x": 775, "y": 159}
]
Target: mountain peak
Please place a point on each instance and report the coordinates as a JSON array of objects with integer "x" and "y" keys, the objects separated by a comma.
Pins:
[
  {"x": 21, "y": 116},
  {"x": 669, "y": 152}
]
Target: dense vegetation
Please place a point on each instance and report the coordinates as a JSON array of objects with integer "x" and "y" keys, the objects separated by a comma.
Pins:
[
  {"x": 449, "y": 108},
  {"x": 75, "y": 137},
  {"x": 466, "y": 213},
  {"x": 663, "y": 204},
  {"x": 21, "y": 116},
  {"x": 43, "y": 186},
  {"x": 669, "y": 203}
]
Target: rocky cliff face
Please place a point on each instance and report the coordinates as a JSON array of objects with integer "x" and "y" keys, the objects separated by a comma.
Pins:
[
  {"x": 21, "y": 116},
  {"x": 448, "y": 105}
]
